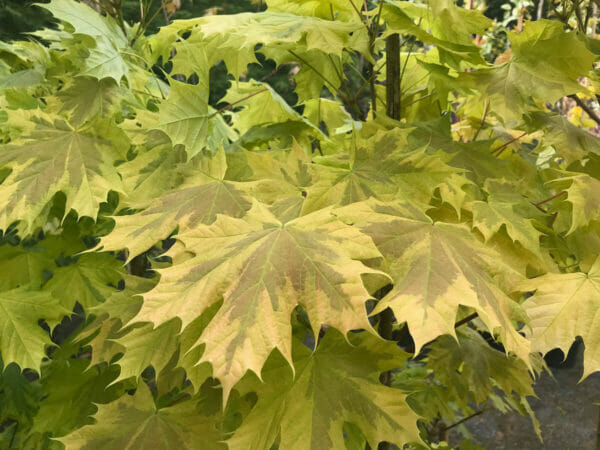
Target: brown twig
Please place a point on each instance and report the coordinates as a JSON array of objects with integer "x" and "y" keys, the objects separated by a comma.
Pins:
[
  {"x": 464, "y": 419},
  {"x": 231, "y": 105},
  {"x": 506, "y": 144},
  {"x": 589, "y": 111},
  {"x": 178, "y": 400},
  {"x": 165, "y": 13},
  {"x": 552, "y": 219},
  {"x": 393, "y": 79},
  {"x": 366, "y": 8},
  {"x": 310, "y": 66},
  {"x": 466, "y": 320},
  {"x": 546, "y": 200},
  {"x": 486, "y": 104}
]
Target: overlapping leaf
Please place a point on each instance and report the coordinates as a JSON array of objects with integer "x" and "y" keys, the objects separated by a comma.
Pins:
[
  {"x": 583, "y": 193},
  {"x": 89, "y": 281},
  {"x": 470, "y": 366},
  {"x": 381, "y": 167},
  {"x": 337, "y": 383},
  {"x": 56, "y": 157},
  {"x": 441, "y": 24},
  {"x": 233, "y": 38},
  {"x": 545, "y": 63},
  {"x": 205, "y": 195},
  {"x": 107, "y": 47},
  {"x": 436, "y": 267},
  {"x": 135, "y": 422},
  {"x": 563, "y": 307},
  {"x": 509, "y": 210},
  {"x": 345, "y": 10},
  {"x": 86, "y": 98},
  {"x": 70, "y": 393},
  {"x": 261, "y": 105},
  {"x": 22, "y": 340},
  {"x": 263, "y": 269},
  {"x": 184, "y": 115}
]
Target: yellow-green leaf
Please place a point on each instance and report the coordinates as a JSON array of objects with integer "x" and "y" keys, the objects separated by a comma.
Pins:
[
  {"x": 56, "y": 157},
  {"x": 263, "y": 269},
  {"x": 563, "y": 307},
  {"x": 337, "y": 383},
  {"x": 135, "y": 422},
  {"x": 22, "y": 340},
  {"x": 436, "y": 267}
]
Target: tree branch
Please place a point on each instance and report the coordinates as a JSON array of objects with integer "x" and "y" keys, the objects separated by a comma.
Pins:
[
  {"x": 589, "y": 111},
  {"x": 393, "y": 76},
  {"x": 463, "y": 420},
  {"x": 466, "y": 320},
  {"x": 506, "y": 144},
  {"x": 546, "y": 200},
  {"x": 231, "y": 105}
]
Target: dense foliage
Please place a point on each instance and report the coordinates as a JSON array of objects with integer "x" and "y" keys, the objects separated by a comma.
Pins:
[
  {"x": 19, "y": 17},
  {"x": 322, "y": 265}
]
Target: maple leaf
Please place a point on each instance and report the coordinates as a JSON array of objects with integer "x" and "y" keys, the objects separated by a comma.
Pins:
[
  {"x": 22, "y": 340},
  {"x": 90, "y": 280},
  {"x": 199, "y": 200},
  {"x": 471, "y": 370},
  {"x": 509, "y": 210},
  {"x": 53, "y": 158},
  {"x": 380, "y": 167},
  {"x": 344, "y": 10},
  {"x": 184, "y": 115},
  {"x": 99, "y": 336},
  {"x": 70, "y": 392},
  {"x": 336, "y": 383},
  {"x": 23, "y": 266},
  {"x": 263, "y": 269},
  {"x": 262, "y": 259},
  {"x": 144, "y": 346},
  {"x": 105, "y": 59},
  {"x": 545, "y": 63},
  {"x": 86, "y": 98},
  {"x": 85, "y": 20},
  {"x": 292, "y": 167},
  {"x": 470, "y": 366},
  {"x": 441, "y": 25},
  {"x": 233, "y": 39},
  {"x": 436, "y": 267},
  {"x": 262, "y": 105},
  {"x": 321, "y": 110},
  {"x": 103, "y": 334},
  {"x": 570, "y": 142},
  {"x": 564, "y": 306},
  {"x": 135, "y": 422},
  {"x": 284, "y": 177},
  {"x": 124, "y": 304},
  {"x": 154, "y": 171},
  {"x": 451, "y": 21},
  {"x": 316, "y": 68},
  {"x": 190, "y": 353},
  {"x": 583, "y": 193},
  {"x": 19, "y": 398},
  {"x": 425, "y": 396}
]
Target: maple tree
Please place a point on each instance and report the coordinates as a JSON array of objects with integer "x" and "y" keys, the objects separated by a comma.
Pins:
[{"x": 255, "y": 274}]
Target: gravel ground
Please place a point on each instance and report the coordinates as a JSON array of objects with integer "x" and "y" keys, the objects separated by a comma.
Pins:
[{"x": 565, "y": 409}]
